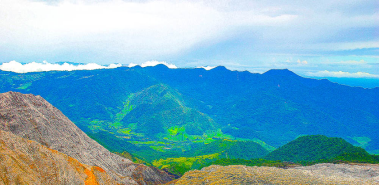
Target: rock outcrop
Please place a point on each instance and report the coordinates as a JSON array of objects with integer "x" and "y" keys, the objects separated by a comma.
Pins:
[
  {"x": 24, "y": 161},
  {"x": 33, "y": 118},
  {"x": 316, "y": 174}
]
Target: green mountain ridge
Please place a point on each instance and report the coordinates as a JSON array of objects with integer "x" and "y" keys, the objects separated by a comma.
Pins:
[
  {"x": 313, "y": 148},
  {"x": 160, "y": 118},
  {"x": 160, "y": 109}
]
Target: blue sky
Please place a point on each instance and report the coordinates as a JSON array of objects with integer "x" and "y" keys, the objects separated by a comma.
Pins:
[{"x": 313, "y": 38}]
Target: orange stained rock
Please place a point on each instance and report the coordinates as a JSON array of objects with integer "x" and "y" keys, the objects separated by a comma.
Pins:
[
  {"x": 99, "y": 169},
  {"x": 91, "y": 178},
  {"x": 25, "y": 162}
]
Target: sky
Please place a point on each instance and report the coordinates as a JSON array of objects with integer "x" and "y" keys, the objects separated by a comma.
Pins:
[{"x": 325, "y": 38}]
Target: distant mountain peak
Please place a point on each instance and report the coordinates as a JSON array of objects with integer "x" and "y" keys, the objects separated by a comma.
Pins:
[
  {"x": 280, "y": 72},
  {"x": 220, "y": 68},
  {"x": 160, "y": 66}
]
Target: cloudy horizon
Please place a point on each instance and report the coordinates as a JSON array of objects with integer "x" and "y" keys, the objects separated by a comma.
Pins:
[
  {"x": 324, "y": 38},
  {"x": 18, "y": 67}
]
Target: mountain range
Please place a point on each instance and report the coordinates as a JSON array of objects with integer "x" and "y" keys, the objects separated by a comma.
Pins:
[
  {"x": 38, "y": 144},
  {"x": 174, "y": 110}
]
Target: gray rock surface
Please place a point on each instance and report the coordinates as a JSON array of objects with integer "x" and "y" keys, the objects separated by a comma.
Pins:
[
  {"x": 345, "y": 171},
  {"x": 336, "y": 174},
  {"x": 33, "y": 118}
]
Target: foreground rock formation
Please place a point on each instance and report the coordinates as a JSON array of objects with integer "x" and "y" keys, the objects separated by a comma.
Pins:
[
  {"x": 33, "y": 118},
  {"x": 316, "y": 174},
  {"x": 24, "y": 161}
]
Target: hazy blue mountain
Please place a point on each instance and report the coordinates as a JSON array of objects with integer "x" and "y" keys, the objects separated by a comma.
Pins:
[{"x": 355, "y": 82}]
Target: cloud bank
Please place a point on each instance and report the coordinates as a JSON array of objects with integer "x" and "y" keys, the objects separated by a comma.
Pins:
[
  {"x": 45, "y": 66},
  {"x": 171, "y": 66},
  {"x": 341, "y": 74}
]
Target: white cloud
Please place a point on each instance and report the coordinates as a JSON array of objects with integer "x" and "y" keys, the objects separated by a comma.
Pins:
[
  {"x": 352, "y": 63},
  {"x": 341, "y": 74},
  {"x": 304, "y": 62},
  {"x": 154, "y": 63},
  {"x": 347, "y": 65},
  {"x": 285, "y": 63},
  {"x": 349, "y": 45},
  {"x": 132, "y": 65},
  {"x": 45, "y": 66},
  {"x": 207, "y": 67}
]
